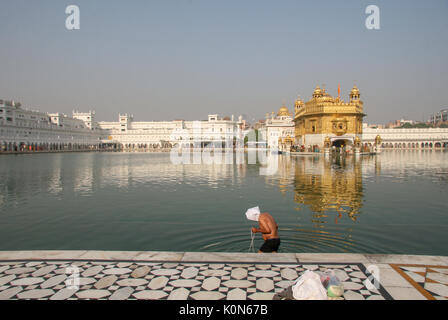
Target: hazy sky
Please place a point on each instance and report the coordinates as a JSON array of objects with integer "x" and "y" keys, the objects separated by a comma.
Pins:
[{"x": 186, "y": 59}]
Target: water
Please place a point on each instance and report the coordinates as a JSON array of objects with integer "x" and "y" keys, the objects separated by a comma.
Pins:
[{"x": 395, "y": 202}]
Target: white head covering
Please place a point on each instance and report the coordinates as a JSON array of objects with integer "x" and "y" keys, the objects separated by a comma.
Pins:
[
  {"x": 309, "y": 287},
  {"x": 253, "y": 213}
]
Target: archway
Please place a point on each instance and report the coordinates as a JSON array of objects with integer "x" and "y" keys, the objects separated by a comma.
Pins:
[{"x": 339, "y": 143}]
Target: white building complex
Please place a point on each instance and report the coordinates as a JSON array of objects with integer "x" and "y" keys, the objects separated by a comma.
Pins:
[
  {"x": 29, "y": 130},
  {"x": 150, "y": 135},
  {"x": 399, "y": 138},
  {"x": 280, "y": 128},
  {"x": 23, "y": 129}
]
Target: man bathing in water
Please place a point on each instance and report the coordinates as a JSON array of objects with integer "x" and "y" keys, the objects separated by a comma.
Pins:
[{"x": 269, "y": 231}]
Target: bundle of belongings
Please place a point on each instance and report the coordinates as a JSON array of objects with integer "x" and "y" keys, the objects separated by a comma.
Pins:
[{"x": 314, "y": 286}]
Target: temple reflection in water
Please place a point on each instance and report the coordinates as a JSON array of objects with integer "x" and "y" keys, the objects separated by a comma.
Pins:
[{"x": 325, "y": 184}]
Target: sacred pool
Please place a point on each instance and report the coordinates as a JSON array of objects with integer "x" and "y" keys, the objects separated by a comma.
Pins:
[{"x": 393, "y": 202}]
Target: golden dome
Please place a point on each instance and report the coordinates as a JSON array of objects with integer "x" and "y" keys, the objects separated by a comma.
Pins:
[
  {"x": 317, "y": 90},
  {"x": 378, "y": 139},
  {"x": 355, "y": 90},
  {"x": 326, "y": 97},
  {"x": 283, "y": 111},
  {"x": 298, "y": 102}
]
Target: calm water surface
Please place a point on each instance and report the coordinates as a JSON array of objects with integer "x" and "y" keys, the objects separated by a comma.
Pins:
[{"x": 395, "y": 202}]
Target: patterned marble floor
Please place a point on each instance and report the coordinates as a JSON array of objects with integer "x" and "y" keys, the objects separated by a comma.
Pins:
[
  {"x": 119, "y": 280},
  {"x": 431, "y": 281}
]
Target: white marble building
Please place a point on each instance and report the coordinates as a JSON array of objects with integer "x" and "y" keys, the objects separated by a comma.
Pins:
[
  {"x": 132, "y": 134},
  {"x": 29, "y": 130},
  {"x": 407, "y": 138},
  {"x": 279, "y": 127},
  {"x": 23, "y": 129}
]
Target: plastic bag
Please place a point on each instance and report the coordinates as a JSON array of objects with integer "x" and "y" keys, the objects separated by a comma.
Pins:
[
  {"x": 331, "y": 283},
  {"x": 309, "y": 287}
]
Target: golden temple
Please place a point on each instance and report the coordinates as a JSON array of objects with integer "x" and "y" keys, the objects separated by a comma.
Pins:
[{"x": 329, "y": 121}]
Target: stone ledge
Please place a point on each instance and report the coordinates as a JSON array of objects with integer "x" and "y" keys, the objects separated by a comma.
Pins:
[
  {"x": 366, "y": 259},
  {"x": 406, "y": 259},
  {"x": 42, "y": 255},
  {"x": 239, "y": 257},
  {"x": 331, "y": 257}
]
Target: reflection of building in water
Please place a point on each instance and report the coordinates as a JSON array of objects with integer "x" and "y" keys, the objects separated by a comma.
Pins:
[
  {"x": 284, "y": 175},
  {"x": 55, "y": 179},
  {"x": 83, "y": 177},
  {"x": 124, "y": 170},
  {"x": 329, "y": 185},
  {"x": 86, "y": 173}
]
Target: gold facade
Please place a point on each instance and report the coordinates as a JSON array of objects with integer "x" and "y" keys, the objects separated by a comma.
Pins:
[
  {"x": 340, "y": 191},
  {"x": 322, "y": 188},
  {"x": 327, "y": 115}
]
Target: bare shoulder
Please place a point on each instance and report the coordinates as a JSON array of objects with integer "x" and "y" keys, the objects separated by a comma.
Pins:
[{"x": 266, "y": 217}]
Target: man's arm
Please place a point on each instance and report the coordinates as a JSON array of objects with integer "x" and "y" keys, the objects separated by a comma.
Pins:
[{"x": 264, "y": 228}]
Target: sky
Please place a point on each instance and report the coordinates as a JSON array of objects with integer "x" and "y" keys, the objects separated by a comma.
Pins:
[{"x": 185, "y": 59}]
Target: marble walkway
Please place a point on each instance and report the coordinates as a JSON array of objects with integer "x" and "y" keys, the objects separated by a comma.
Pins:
[{"x": 114, "y": 275}]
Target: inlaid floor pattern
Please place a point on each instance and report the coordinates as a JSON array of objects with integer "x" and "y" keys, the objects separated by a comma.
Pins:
[
  {"x": 162, "y": 280},
  {"x": 431, "y": 281}
]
